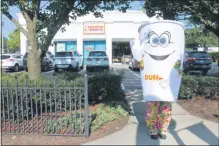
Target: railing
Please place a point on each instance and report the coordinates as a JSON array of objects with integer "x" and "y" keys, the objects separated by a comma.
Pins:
[{"x": 47, "y": 109}]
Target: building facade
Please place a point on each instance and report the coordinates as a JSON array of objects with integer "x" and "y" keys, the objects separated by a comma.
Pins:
[{"x": 111, "y": 33}]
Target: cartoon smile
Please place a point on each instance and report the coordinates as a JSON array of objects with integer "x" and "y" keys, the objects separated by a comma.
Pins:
[{"x": 159, "y": 58}]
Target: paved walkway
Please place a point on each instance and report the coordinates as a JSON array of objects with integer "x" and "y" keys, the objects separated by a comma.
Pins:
[{"x": 185, "y": 129}]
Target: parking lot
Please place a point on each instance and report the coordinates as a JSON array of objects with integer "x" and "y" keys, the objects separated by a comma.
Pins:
[{"x": 131, "y": 79}]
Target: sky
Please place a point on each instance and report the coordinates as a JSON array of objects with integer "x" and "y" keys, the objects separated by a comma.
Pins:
[{"x": 8, "y": 26}]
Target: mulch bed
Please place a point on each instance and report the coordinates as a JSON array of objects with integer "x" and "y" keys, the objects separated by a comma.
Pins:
[
  {"x": 39, "y": 139},
  {"x": 38, "y": 124},
  {"x": 202, "y": 107}
]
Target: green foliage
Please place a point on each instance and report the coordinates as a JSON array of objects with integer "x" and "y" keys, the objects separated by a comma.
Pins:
[
  {"x": 71, "y": 121},
  {"x": 199, "y": 12},
  {"x": 197, "y": 36},
  {"x": 44, "y": 91},
  {"x": 105, "y": 113},
  {"x": 14, "y": 40},
  {"x": 217, "y": 113},
  {"x": 108, "y": 113},
  {"x": 103, "y": 86},
  {"x": 194, "y": 86},
  {"x": 214, "y": 54}
]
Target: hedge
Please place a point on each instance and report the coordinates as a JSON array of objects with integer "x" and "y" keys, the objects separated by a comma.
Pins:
[
  {"x": 214, "y": 54},
  {"x": 102, "y": 87},
  {"x": 195, "y": 86}
]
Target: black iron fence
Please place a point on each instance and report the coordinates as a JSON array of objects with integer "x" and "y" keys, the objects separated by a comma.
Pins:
[{"x": 49, "y": 110}]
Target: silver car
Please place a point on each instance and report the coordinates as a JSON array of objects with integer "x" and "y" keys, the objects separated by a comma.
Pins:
[
  {"x": 132, "y": 64},
  {"x": 97, "y": 60},
  {"x": 11, "y": 62},
  {"x": 65, "y": 60}
]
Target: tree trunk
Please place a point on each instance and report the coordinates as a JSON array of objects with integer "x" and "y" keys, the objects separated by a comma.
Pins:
[
  {"x": 33, "y": 61},
  {"x": 34, "y": 64}
]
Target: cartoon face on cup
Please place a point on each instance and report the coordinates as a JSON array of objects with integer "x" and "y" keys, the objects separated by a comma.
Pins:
[{"x": 160, "y": 42}]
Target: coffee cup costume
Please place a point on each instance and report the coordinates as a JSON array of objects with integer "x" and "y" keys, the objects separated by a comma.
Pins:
[
  {"x": 159, "y": 49},
  {"x": 161, "y": 46}
]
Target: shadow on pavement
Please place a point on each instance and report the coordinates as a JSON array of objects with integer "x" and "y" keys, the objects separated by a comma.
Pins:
[
  {"x": 172, "y": 128},
  {"x": 142, "y": 137},
  {"x": 202, "y": 132}
]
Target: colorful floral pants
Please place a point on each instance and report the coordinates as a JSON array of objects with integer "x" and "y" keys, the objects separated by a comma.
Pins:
[{"x": 158, "y": 116}]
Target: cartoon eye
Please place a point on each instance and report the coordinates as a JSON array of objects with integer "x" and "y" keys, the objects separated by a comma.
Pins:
[
  {"x": 154, "y": 40},
  {"x": 164, "y": 40}
]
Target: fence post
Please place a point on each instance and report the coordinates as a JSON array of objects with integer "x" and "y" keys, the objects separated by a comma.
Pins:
[{"x": 86, "y": 105}]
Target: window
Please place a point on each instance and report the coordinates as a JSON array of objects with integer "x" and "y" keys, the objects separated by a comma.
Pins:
[
  {"x": 199, "y": 55},
  {"x": 16, "y": 56},
  {"x": 76, "y": 53},
  {"x": 2, "y": 57},
  {"x": 63, "y": 54},
  {"x": 97, "y": 54}
]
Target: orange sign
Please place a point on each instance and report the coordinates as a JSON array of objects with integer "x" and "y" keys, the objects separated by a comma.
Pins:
[
  {"x": 94, "y": 28},
  {"x": 153, "y": 77}
]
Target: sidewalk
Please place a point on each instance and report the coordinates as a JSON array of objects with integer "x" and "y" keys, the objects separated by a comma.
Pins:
[{"x": 185, "y": 129}]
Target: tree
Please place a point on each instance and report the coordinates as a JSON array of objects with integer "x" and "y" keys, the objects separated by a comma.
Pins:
[
  {"x": 43, "y": 23},
  {"x": 14, "y": 40},
  {"x": 197, "y": 37},
  {"x": 4, "y": 45},
  {"x": 203, "y": 12}
]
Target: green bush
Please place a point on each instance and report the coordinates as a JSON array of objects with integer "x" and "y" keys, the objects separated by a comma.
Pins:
[
  {"x": 107, "y": 113},
  {"x": 214, "y": 54},
  {"x": 194, "y": 86},
  {"x": 102, "y": 87},
  {"x": 44, "y": 91}
]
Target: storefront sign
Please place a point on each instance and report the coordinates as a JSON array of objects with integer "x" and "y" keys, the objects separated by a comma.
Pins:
[{"x": 94, "y": 28}]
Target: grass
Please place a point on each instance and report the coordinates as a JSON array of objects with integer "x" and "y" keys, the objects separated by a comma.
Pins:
[{"x": 217, "y": 113}]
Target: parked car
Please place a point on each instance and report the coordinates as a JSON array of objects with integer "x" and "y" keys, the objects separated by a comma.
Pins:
[
  {"x": 66, "y": 60},
  {"x": 79, "y": 59},
  {"x": 213, "y": 59},
  {"x": 126, "y": 59},
  {"x": 218, "y": 61},
  {"x": 97, "y": 60},
  {"x": 197, "y": 61},
  {"x": 12, "y": 62},
  {"x": 133, "y": 64},
  {"x": 46, "y": 63}
]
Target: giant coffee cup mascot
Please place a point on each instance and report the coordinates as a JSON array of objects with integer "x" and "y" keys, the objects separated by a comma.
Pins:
[{"x": 159, "y": 51}]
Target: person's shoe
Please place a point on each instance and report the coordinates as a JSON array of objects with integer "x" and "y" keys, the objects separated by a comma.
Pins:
[
  {"x": 162, "y": 136},
  {"x": 154, "y": 136}
]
